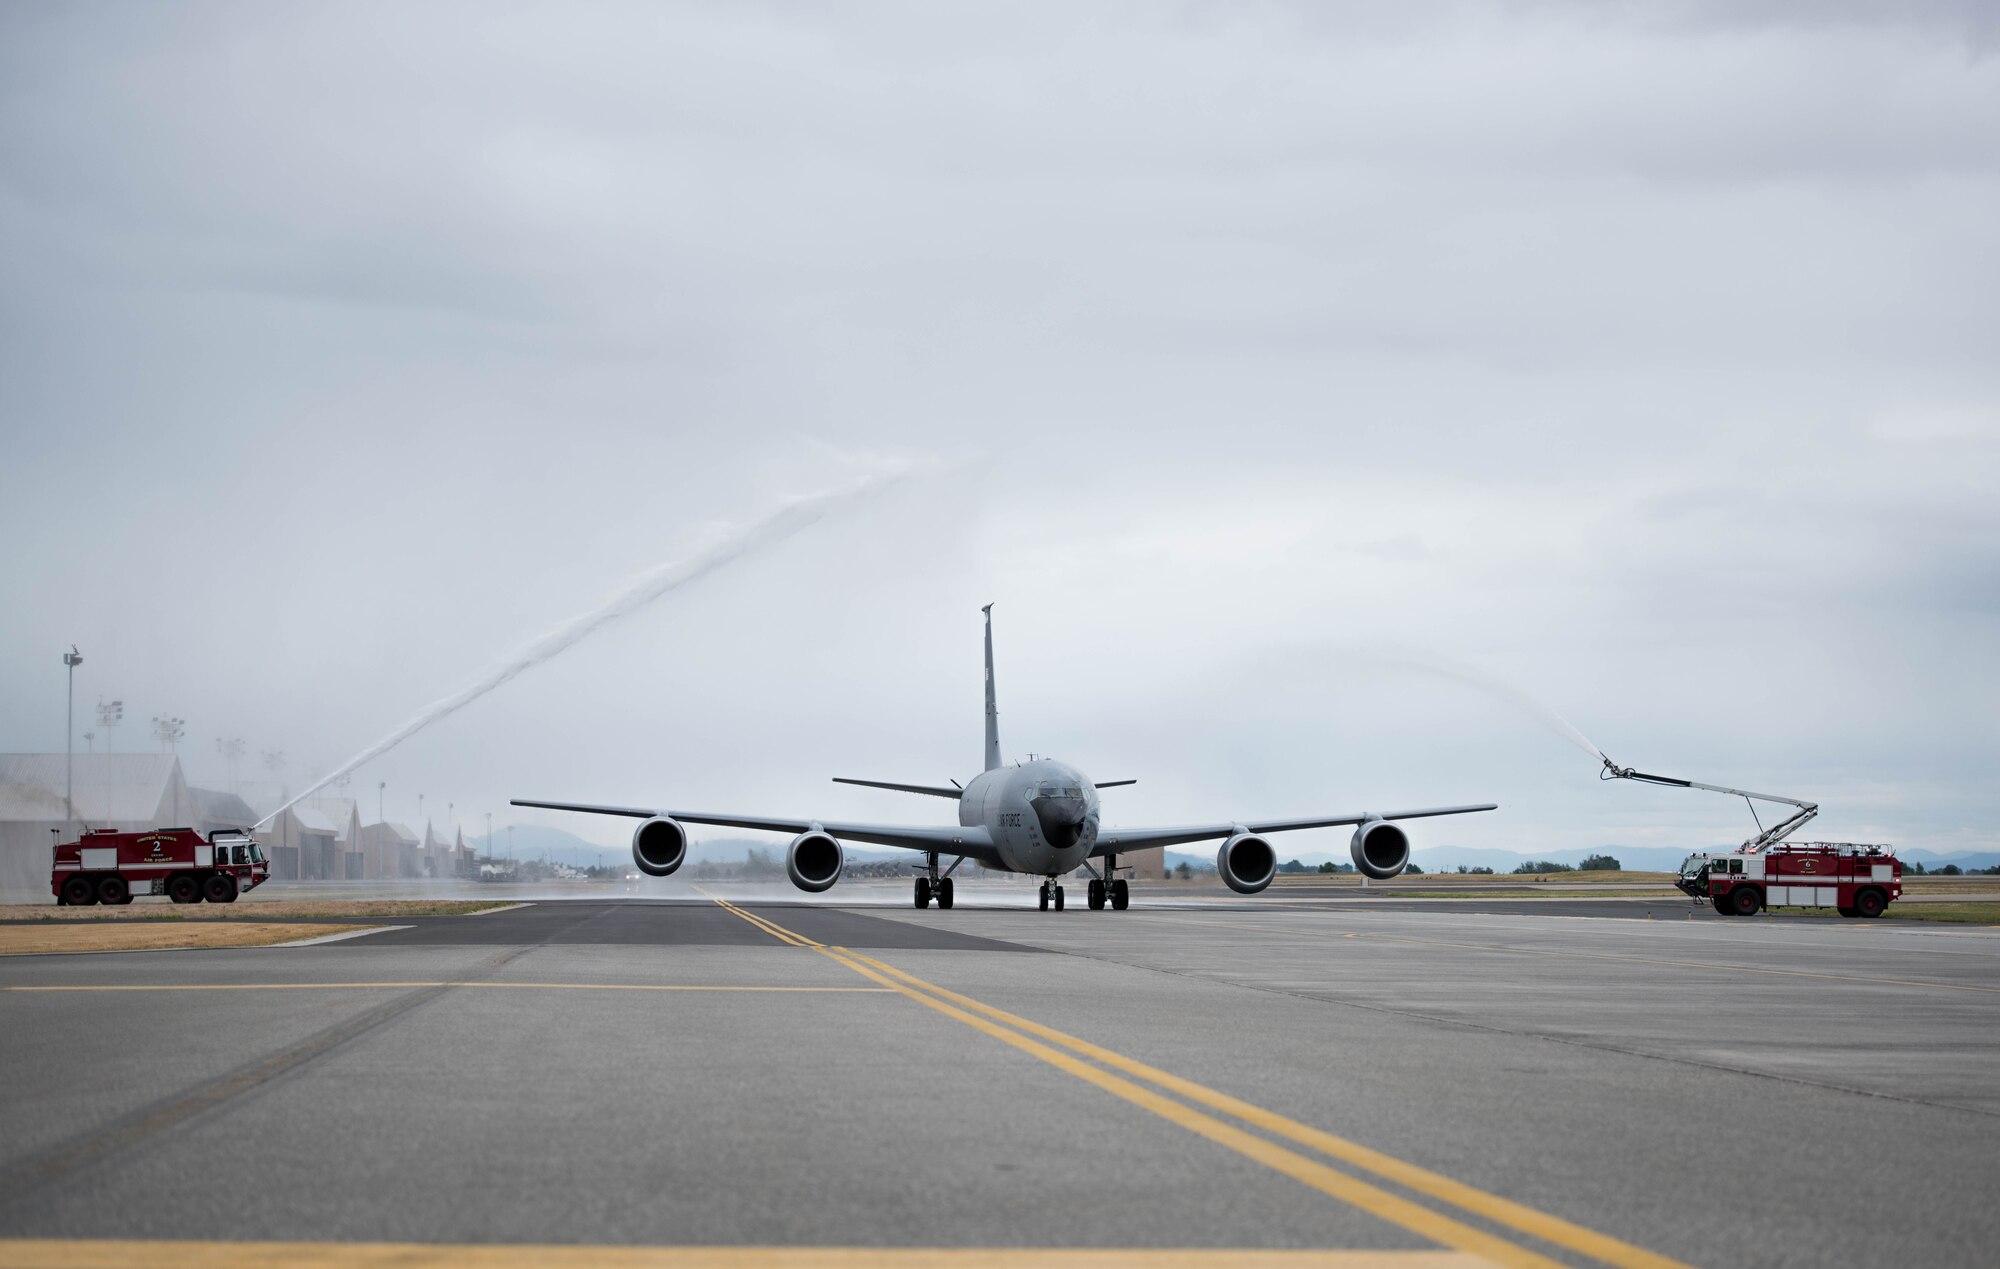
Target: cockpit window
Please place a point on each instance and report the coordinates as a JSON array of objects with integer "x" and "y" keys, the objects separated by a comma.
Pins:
[{"x": 1053, "y": 790}]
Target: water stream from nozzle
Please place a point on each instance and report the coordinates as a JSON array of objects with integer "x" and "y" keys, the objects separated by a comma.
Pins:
[
  {"x": 732, "y": 544},
  {"x": 1492, "y": 685}
]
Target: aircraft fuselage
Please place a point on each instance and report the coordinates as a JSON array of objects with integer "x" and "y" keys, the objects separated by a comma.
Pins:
[{"x": 1042, "y": 815}]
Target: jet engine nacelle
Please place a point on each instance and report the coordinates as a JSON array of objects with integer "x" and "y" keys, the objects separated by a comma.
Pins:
[
  {"x": 814, "y": 861},
  {"x": 659, "y": 846},
  {"x": 1247, "y": 863},
  {"x": 1380, "y": 849}
]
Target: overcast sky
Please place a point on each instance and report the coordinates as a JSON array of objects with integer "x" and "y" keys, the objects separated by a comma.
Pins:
[{"x": 1643, "y": 355}]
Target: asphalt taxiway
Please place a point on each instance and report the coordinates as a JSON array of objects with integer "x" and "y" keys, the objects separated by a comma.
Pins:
[{"x": 1394, "y": 1083}]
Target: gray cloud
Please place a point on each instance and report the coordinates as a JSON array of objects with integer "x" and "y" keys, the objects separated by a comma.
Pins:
[{"x": 1642, "y": 354}]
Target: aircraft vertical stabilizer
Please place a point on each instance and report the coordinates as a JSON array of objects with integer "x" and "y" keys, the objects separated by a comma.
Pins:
[{"x": 992, "y": 708}]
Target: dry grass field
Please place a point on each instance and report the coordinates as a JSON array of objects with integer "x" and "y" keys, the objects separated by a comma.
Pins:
[
  {"x": 21, "y": 940},
  {"x": 1484, "y": 883},
  {"x": 152, "y": 909}
]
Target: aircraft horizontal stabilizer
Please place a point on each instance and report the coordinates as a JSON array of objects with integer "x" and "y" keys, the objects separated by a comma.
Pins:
[{"x": 1113, "y": 784}]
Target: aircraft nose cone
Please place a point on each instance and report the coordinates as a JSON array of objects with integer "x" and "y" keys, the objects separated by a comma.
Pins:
[{"x": 1061, "y": 820}]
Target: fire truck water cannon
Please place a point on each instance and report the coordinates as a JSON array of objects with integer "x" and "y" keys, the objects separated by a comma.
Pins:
[{"x": 1767, "y": 871}]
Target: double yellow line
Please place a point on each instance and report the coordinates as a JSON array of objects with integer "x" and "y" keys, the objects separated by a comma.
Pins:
[{"x": 1148, "y": 1087}]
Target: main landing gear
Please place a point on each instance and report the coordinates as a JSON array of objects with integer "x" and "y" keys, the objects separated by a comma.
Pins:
[
  {"x": 1110, "y": 888},
  {"x": 932, "y": 885},
  {"x": 1051, "y": 894},
  {"x": 1116, "y": 891},
  {"x": 928, "y": 890}
]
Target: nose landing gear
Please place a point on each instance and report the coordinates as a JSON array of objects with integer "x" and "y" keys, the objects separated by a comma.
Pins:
[{"x": 1052, "y": 893}]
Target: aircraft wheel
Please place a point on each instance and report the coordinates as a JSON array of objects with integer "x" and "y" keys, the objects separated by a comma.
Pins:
[
  {"x": 1121, "y": 895},
  {"x": 113, "y": 890},
  {"x": 219, "y": 888},
  {"x": 923, "y": 892},
  {"x": 78, "y": 892},
  {"x": 1094, "y": 894},
  {"x": 184, "y": 889},
  {"x": 1059, "y": 898},
  {"x": 944, "y": 892},
  {"x": 1045, "y": 896},
  {"x": 1869, "y": 903}
]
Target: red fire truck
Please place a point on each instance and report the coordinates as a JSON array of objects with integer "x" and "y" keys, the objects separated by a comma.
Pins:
[
  {"x": 1855, "y": 880},
  {"x": 108, "y": 866},
  {"x": 1769, "y": 872}
]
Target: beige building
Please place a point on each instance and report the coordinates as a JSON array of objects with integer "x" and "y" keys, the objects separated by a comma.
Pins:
[
  {"x": 388, "y": 850},
  {"x": 445, "y": 856},
  {"x": 345, "y": 817},
  {"x": 318, "y": 839},
  {"x": 304, "y": 845}
]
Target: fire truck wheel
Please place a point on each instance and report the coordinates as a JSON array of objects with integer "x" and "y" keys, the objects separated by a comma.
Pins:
[
  {"x": 78, "y": 892},
  {"x": 1846, "y": 912},
  {"x": 1720, "y": 904},
  {"x": 184, "y": 889},
  {"x": 1869, "y": 902},
  {"x": 113, "y": 890},
  {"x": 220, "y": 888},
  {"x": 1746, "y": 900}
]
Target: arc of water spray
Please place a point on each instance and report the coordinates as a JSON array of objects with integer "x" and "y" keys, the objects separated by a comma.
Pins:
[
  {"x": 1492, "y": 685},
  {"x": 795, "y": 516}
]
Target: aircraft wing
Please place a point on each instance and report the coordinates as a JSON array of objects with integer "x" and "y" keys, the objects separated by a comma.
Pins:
[
  {"x": 972, "y": 842},
  {"x": 1119, "y": 840}
]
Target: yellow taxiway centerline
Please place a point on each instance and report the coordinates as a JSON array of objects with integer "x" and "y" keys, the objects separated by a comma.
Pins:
[
  {"x": 1020, "y": 1033},
  {"x": 1491, "y": 1206},
  {"x": 119, "y": 1253},
  {"x": 771, "y": 928}
]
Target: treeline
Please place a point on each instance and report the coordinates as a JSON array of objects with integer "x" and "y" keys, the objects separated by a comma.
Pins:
[{"x": 1591, "y": 863}]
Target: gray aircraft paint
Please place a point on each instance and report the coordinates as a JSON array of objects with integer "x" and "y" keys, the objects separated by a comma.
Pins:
[
  {"x": 992, "y": 705},
  {"x": 1041, "y": 817}
]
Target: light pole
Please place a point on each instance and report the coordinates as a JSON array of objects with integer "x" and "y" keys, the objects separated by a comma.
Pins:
[
  {"x": 274, "y": 762},
  {"x": 109, "y": 715},
  {"x": 381, "y": 786},
  {"x": 230, "y": 749},
  {"x": 168, "y": 731},
  {"x": 72, "y": 660}
]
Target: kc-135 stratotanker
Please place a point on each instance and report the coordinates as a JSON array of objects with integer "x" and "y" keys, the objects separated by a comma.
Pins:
[{"x": 1040, "y": 817}]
